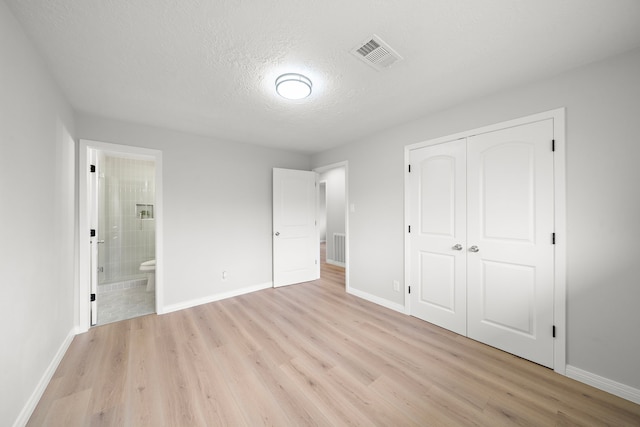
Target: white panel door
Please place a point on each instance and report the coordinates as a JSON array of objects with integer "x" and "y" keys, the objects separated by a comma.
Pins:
[
  {"x": 438, "y": 234},
  {"x": 93, "y": 225},
  {"x": 296, "y": 245},
  {"x": 510, "y": 254}
]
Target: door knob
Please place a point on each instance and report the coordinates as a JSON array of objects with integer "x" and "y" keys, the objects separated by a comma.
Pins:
[
  {"x": 474, "y": 249},
  {"x": 277, "y": 233},
  {"x": 457, "y": 247}
]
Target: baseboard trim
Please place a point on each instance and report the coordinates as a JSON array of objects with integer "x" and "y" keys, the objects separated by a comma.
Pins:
[
  {"x": 216, "y": 297},
  {"x": 377, "y": 300},
  {"x": 336, "y": 263},
  {"x": 31, "y": 404},
  {"x": 621, "y": 390}
]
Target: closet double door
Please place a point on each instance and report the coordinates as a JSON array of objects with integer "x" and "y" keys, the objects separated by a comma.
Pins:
[{"x": 481, "y": 239}]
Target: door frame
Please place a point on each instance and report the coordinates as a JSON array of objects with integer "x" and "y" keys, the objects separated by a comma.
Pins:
[
  {"x": 85, "y": 147},
  {"x": 560, "y": 215},
  {"x": 320, "y": 170}
]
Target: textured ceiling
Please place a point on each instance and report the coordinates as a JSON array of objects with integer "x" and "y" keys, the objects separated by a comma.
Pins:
[{"x": 208, "y": 66}]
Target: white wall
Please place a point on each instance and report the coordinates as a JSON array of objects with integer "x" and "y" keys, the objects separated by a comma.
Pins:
[
  {"x": 602, "y": 103},
  {"x": 217, "y": 208},
  {"x": 37, "y": 214},
  {"x": 335, "y": 205},
  {"x": 230, "y": 226}
]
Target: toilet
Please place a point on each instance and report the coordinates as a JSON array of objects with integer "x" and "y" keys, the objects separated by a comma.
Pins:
[{"x": 149, "y": 267}]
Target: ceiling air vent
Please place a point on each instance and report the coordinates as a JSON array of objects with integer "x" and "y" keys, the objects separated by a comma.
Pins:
[{"x": 376, "y": 53}]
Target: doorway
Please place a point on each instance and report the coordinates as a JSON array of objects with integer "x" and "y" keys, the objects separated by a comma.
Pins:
[
  {"x": 120, "y": 200},
  {"x": 125, "y": 237},
  {"x": 333, "y": 218}
]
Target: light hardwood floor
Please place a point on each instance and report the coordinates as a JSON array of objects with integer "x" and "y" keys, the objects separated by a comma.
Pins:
[{"x": 307, "y": 354}]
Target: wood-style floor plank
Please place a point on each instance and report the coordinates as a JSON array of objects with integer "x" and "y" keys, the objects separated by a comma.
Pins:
[{"x": 307, "y": 354}]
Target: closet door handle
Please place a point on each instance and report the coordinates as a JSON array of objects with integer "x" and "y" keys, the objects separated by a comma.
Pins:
[
  {"x": 457, "y": 247},
  {"x": 474, "y": 248}
]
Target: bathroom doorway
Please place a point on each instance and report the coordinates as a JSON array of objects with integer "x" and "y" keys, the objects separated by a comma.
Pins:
[
  {"x": 125, "y": 237},
  {"x": 123, "y": 209}
]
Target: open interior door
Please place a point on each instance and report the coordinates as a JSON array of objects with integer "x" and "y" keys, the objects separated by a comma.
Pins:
[
  {"x": 296, "y": 246},
  {"x": 93, "y": 235}
]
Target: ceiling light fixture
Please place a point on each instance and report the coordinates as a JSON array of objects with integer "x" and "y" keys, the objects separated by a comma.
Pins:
[{"x": 293, "y": 86}]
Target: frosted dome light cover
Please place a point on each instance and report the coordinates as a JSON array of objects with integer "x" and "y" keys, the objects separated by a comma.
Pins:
[{"x": 293, "y": 86}]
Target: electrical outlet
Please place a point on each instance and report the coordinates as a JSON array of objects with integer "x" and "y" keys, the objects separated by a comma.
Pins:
[
  {"x": 224, "y": 275},
  {"x": 396, "y": 286}
]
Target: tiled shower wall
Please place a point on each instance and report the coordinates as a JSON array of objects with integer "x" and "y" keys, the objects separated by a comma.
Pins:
[{"x": 128, "y": 239}]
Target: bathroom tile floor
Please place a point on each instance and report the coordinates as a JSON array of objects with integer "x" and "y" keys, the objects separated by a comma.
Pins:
[{"x": 124, "y": 304}]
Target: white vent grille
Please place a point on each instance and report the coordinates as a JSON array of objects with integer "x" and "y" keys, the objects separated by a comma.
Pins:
[
  {"x": 376, "y": 53},
  {"x": 339, "y": 248}
]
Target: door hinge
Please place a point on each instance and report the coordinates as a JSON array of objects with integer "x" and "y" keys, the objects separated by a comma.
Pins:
[
  {"x": 553, "y": 238},
  {"x": 553, "y": 331},
  {"x": 92, "y": 233},
  {"x": 92, "y": 168},
  {"x": 409, "y": 229},
  {"x": 93, "y": 297},
  {"x": 553, "y": 145},
  {"x": 409, "y": 168}
]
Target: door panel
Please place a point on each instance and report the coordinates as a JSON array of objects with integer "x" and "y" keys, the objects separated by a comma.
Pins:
[
  {"x": 440, "y": 269},
  {"x": 437, "y": 212},
  {"x": 510, "y": 221},
  {"x": 437, "y": 195},
  {"x": 505, "y": 305},
  {"x": 296, "y": 247},
  {"x": 507, "y": 177}
]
